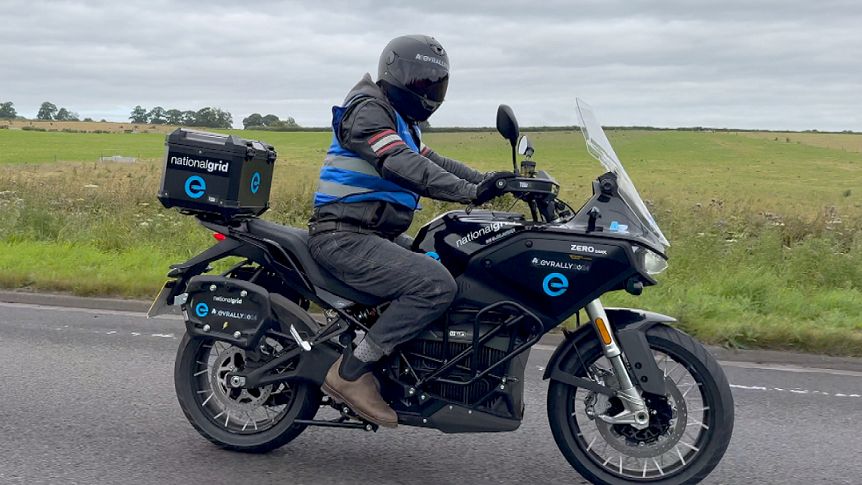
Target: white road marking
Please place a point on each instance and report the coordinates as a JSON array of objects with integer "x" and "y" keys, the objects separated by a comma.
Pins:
[
  {"x": 777, "y": 389},
  {"x": 90, "y": 311},
  {"x": 790, "y": 368},
  {"x": 795, "y": 391},
  {"x": 750, "y": 388},
  {"x": 758, "y": 366},
  {"x": 162, "y": 335}
]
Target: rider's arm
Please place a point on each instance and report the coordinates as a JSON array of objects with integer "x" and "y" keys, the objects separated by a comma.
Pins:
[
  {"x": 370, "y": 130},
  {"x": 452, "y": 166}
]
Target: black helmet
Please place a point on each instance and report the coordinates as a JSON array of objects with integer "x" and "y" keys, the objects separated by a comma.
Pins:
[{"x": 414, "y": 73}]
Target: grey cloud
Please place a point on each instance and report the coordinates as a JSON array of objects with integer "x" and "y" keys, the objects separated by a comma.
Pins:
[{"x": 770, "y": 64}]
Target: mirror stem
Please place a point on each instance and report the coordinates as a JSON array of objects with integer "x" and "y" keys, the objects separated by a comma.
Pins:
[{"x": 514, "y": 159}]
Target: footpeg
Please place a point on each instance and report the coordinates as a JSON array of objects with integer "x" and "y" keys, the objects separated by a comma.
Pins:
[{"x": 306, "y": 346}]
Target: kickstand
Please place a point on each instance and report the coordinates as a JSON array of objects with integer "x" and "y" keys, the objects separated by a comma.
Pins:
[{"x": 347, "y": 420}]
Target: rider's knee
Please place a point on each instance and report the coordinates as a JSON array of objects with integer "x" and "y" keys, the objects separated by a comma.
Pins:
[
  {"x": 442, "y": 290},
  {"x": 437, "y": 287},
  {"x": 450, "y": 289}
]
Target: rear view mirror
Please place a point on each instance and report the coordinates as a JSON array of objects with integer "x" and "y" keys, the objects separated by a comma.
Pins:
[
  {"x": 525, "y": 148},
  {"x": 507, "y": 125}
]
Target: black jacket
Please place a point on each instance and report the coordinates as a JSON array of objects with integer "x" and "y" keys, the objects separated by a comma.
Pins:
[{"x": 426, "y": 173}]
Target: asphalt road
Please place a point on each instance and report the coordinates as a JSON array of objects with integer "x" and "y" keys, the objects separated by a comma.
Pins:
[{"x": 87, "y": 396}]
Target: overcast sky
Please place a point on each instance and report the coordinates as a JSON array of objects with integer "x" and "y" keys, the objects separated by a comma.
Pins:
[{"x": 744, "y": 64}]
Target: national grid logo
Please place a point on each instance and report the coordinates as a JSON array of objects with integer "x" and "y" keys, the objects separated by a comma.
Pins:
[
  {"x": 195, "y": 187},
  {"x": 202, "y": 309},
  {"x": 255, "y": 182},
  {"x": 555, "y": 284}
]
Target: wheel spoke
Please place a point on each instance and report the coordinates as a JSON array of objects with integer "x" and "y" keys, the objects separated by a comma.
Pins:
[
  {"x": 669, "y": 373},
  {"x": 664, "y": 362},
  {"x": 680, "y": 454},
  {"x": 694, "y": 421},
  {"x": 691, "y": 447},
  {"x": 689, "y": 389},
  {"x": 658, "y": 467}
]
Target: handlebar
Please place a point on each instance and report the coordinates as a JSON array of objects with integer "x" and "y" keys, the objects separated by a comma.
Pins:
[
  {"x": 524, "y": 185},
  {"x": 540, "y": 193}
]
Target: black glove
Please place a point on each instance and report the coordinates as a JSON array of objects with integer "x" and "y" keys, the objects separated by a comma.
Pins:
[{"x": 492, "y": 186}]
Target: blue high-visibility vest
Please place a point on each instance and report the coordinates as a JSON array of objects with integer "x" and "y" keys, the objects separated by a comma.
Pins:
[{"x": 348, "y": 178}]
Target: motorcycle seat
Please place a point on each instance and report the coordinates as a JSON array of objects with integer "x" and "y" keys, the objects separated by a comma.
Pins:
[{"x": 295, "y": 242}]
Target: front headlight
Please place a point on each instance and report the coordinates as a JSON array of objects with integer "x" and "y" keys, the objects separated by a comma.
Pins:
[{"x": 651, "y": 262}]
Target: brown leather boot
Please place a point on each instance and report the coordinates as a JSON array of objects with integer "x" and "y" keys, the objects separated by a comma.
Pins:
[{"x": 361, "y": 394}]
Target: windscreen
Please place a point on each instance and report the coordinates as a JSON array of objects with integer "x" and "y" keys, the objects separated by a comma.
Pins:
[{"x": 599, "y": 147}]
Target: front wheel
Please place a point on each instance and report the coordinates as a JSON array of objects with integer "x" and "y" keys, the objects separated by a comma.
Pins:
[
  {"x": 249, "y": 420},
  {"x": 689, "y": 429}
]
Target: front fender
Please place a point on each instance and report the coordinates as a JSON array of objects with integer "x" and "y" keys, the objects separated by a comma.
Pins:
[{"x": 630, "y": 326}]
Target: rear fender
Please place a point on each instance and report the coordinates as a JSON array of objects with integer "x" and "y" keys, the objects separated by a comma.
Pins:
[
  {"x": 631, "y": 327},
  {"x": 251, "y": 250}
]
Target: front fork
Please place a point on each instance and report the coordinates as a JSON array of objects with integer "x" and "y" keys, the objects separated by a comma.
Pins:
[{"x": 635, "y": 411}]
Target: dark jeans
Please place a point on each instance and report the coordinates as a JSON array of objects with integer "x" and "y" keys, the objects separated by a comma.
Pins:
[{"x": 419, "y": 287}]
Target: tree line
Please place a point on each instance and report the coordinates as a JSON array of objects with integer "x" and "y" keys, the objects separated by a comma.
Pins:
[
  {"x": 208, "y": 117},
  {"x": 268, "y": 122},
  {"x": 48, "y": 111}
]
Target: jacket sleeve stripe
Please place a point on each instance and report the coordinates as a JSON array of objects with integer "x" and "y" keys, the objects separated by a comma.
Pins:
[
  {"x": 390, "y": 146},
  {"x": 380, "y": 135},
  {"x": 386, "y": 140}
]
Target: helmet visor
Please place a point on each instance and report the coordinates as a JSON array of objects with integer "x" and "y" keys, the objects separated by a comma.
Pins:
[{"x": 424, "y": 78}]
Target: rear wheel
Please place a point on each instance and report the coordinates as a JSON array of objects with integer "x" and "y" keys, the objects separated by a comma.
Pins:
[
  {"x": 689, "y": 429},
  {"x": 249, "y": 420}
]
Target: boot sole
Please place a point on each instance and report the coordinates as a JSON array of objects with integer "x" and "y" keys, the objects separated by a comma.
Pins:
[{"x": 340, "y": 399}]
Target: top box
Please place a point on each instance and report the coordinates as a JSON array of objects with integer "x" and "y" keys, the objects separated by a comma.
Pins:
[{"x": 216, "y": 176}]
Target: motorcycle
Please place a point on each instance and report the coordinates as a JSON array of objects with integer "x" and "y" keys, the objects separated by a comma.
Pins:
[{"x": 630, "y": 398}]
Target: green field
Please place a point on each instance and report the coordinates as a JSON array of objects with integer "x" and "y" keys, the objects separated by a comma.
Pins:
[{"x": 765, "y": 227}]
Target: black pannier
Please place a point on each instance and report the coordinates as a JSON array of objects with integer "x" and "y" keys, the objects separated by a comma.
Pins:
[
  {"x": 231, "y": 310},
  {"x": 215, "y": 175}
]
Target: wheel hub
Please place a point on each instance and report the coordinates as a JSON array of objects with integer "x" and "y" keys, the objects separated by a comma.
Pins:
[
  {"x": 667, "y": 420},
  {"x": 227, "y": 362}
]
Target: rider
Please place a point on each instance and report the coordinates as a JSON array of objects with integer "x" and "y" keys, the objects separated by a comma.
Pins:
[{"x": 372, "y": 177}]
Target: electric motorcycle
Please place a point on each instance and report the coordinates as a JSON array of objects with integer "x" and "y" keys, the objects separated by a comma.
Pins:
[{"x": 630, "y": 398}]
